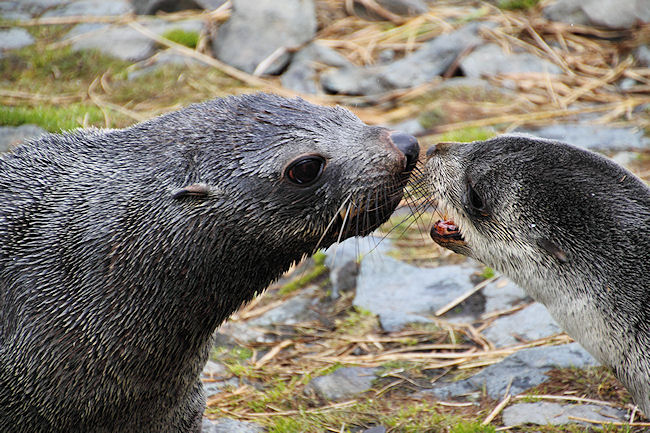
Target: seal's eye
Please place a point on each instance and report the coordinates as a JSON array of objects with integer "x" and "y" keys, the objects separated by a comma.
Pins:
[
  {"x": 305, "y": 170},
  {"x": 475, "y": 203}
]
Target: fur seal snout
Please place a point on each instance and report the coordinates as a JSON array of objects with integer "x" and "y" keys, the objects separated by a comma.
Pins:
[
  {"x": 569, "y": 226},
  {"x": 121, "y": 251}
]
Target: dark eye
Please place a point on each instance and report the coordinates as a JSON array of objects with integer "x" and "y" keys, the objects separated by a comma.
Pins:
[
  {"x": 305, "y": 170},
  {"x": 475, "y": 202}
]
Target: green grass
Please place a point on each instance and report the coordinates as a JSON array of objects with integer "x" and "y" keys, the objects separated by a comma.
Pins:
[
  {"x": 300, "y": 282},
  {"x": 183, "y": 37},
  {"x": 517, "y": 4},
  {"x": 487, "y": 273},
  {"x": 466, "y": 134},
  {"x": 472, "y": 427},
  {"x": 52, "y": 118}
]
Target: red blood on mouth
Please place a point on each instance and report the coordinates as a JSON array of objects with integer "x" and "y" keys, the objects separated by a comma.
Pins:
[{"x": 446, "y": 228}]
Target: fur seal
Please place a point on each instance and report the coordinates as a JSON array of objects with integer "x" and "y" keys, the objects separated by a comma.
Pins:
[
  {"x": 569, "y": 226},
  {"x": 121, "y": 251}
]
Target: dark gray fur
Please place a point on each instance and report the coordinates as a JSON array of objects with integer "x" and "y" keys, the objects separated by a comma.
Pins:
[
  {"x": 113, "y": 279},
  {"x": 571, "y": 227}
]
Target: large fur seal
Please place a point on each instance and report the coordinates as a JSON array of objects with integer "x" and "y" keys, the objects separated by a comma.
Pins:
[
  {"x": 571, "y": 227},
  {"x": 121, "y": 251}
]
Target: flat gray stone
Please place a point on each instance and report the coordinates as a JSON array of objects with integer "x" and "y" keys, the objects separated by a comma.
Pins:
[
  {"x": 160, "y": 60},
  {"x": 32, "y": 7},
  {"x": 343, "y": 383},
  {"x": 614, "y": 14},
  {"x": 294, "y": 310},
  {"x": 547, "y": 413},
  {"x": 213, "y": 388},
  {"x": 257, "y": 28},
  {"x": 227, "y": 425},
  {"x": 398, "y": 7},
  {"x": 91, "y": 8},
  {"x": 491, "y": 60},
  {"x": 531, "y": 323},
  {"x": 213, "y": 369},
  {"x": 357, "y": 248},
  {"x": 594, "y": 137},
  {"x": 301, "y": 75},
  {"x": 15, "y": 38},
  {"x": 425, "y": 64},
  {"x": 503, "y": 294},
  {"x": 10, "y": 136},
  {"x": 400, "y": 293},
  {"x": 124, "y": 42},
  {"x": 525, "y": 368}
]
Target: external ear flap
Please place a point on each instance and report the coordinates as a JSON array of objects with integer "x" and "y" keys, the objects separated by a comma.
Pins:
[
  {"x": 200, "y": 190},
  {"x": 552, "y": 249}
]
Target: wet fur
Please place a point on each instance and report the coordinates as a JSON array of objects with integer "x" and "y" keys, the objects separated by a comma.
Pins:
[
  {"x": 112, "y": 279},
  {"x": 572, "y": 228}
]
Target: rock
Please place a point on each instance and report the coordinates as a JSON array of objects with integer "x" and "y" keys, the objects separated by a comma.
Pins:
[
  {"x": 410, "y": 126},
  {"x": 525, "y": 368},
  {"x": 643, "y": 55},
  {"x": 490, "y": 60},
  {"x": 10, "y": 136},
  {"x": 400, "y": 293},
  {"x": 32, "y": 7},
  {"x": 125, "y": 42},
  {"x": 227, "y": 425},
  {"x": 257, "y": 28},
  {"x": 301, "y": 75},
  {"x": 353, "y": 249},
  {"x": 159, "y": 60},
  {"x": 214, "y": 369},
  {"x": 343, "y": 383},
  {"x": 614, "y": 14},
  {"x": 433, "y": 58},
  {"x": 594, "y": 137},
  {"x": 213, "y": 388},
  {"x": 503, "y": 294},
  {"x": 398, "y": 7},
  {"x": 425, "y": 64},
  {"x": 531, "y": 323},
  {"x": 294, "y": 310},
  {"x": 14, "y": 38},
  {"x": 344, "y": 278},
  {"x": 91, "y": 8},
  {"x": 626, "y": 158},
  {"x": 545, "y": 413},
  {"x": 150, "y": 7}
]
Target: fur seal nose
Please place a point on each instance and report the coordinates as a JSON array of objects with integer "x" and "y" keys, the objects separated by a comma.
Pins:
[{"x": 409, "y": 146}]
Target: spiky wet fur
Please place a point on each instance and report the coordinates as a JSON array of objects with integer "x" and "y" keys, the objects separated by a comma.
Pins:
[
  {"x": 593, "y": 210},
  {"x": 111, "y": 288}
]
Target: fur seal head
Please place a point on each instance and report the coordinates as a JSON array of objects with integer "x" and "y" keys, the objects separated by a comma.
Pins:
[{"x": 569, "y": 226}]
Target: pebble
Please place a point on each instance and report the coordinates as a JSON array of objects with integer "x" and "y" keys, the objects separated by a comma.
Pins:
[
  {"x": 613, "y": 14},
  {"x": 15, "y": 38},
  {"x": 523, "y": 370},
  {"x": 10, "y": 136},
  {"x": 530, "y": 323},
  {"x": 343, "y": 383},
  {"x": 257, "y": 28},
  {"x": 594, "y": 137},
  {"x": 227, "y": 425},
  {"x": 545, "y": 413},
  {"x": 490, "y": 60}
]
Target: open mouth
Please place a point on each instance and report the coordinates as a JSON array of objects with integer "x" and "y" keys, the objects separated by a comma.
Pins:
[{"x": 447, "y": 234}]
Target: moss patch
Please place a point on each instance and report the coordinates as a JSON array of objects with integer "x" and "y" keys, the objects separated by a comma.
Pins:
[
  {"x": 53, "y": 118},
  {"x": 183, "y": 37}
]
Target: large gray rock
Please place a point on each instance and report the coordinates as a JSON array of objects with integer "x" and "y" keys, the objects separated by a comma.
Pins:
[
  {"x": 257, "y": 28},
  {"x": 615, "y": 14},
  {"x": 343, "y": 383},
  {"x": 425, "y": 64},
  {"x": 160, "y": 60},
  {"x": 301, "y": 74},
  {"x": 547, "y": 413},
  {"x": 594, "y": 137},
  {"x": 503, "y": 294},
  {"x": 491, "y": 60},
  {"x": 531, "y": 323},
  {"x": 227, "y": 425},
  {"x": 400, "y": 293},
  {"x": 14, "y": 38},
  {"x": 125, "y": 42},
  {"x": 91, "y": 8},
  {"x": 10, "y": 136},
  {"x": 524, "y": 368}
]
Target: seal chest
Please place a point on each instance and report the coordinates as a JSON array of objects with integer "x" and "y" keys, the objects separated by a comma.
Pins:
[
  {"x": 121, "y": 251},
  {"x": 569, "y": 226}
]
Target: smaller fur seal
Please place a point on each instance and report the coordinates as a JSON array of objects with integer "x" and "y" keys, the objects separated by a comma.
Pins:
[
  {"x": 121, "y": 251},
  {"x": 569, "y": 226}
]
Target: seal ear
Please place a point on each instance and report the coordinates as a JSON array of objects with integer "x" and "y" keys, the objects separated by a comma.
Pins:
[
  {"x": 552, "y": 249},
  {"x": 200, "y": 190}
]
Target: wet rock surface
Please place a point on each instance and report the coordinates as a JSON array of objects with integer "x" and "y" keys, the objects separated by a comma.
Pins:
[{"x": 343, "y": 383}]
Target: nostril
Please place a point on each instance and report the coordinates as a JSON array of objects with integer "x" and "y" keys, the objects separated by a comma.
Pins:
[{"x": 408, "y": 145}]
